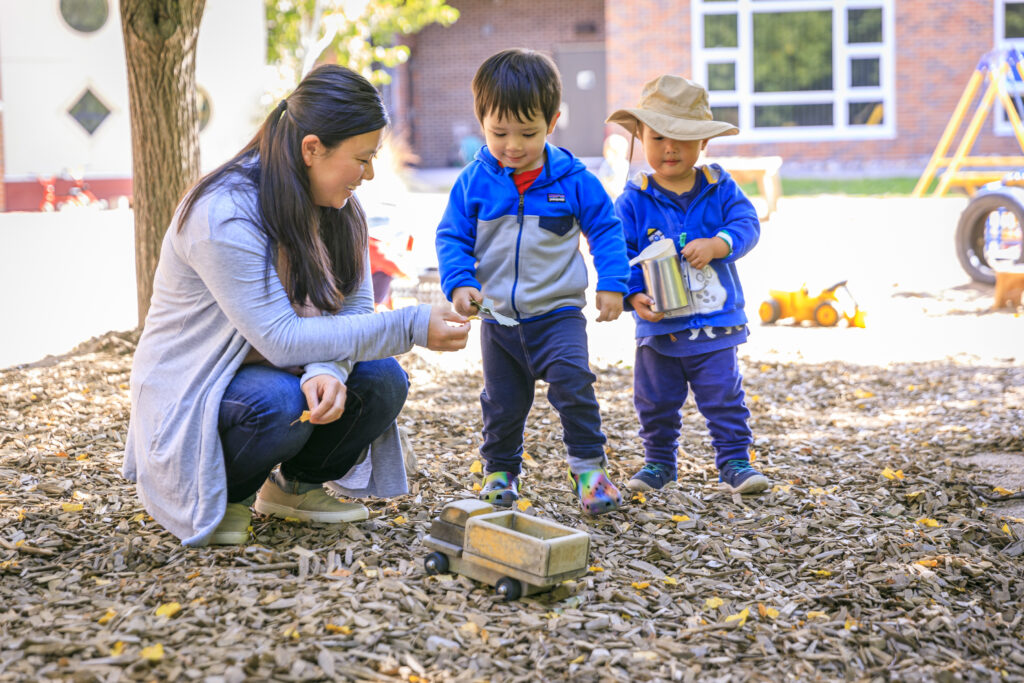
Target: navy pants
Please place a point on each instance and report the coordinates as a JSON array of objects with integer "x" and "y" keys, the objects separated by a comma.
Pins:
[
  {"x": 258, "y": 427},
  {"x": 660, "y": 386},
  {"x": 553, "y": 349}
]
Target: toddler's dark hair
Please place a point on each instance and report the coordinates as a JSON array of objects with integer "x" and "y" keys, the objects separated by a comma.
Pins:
[{"x": 519, "y": 83}]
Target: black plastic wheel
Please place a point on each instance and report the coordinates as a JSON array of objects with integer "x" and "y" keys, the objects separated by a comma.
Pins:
[
  {"x": 769, "y": 311},
  {"x": 970, "y": 231},
  {"x": 826, "y": 314},
  {"x": 435, "y": 563},
  {"x": 509, "y": 589}
]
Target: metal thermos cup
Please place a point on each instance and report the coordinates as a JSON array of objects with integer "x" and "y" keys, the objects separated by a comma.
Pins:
[{"x": 663, "y": 277}]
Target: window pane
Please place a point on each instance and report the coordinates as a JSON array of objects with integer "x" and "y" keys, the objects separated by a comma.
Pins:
[
  {"x": 865, "y": 113},
  {"x": 84, "y": 15},
  {"x": 790, "y": 115},
  {"x": 864, "y": 26},
  {"x": 720, "y": 30},
  {"x": 1015, "y": 21},
  {"x": 727, "y": 114},
  {"x": 722, "y": 76},
  {"x": 864, "y": 73},
  {"x": 792, "y": 51}
]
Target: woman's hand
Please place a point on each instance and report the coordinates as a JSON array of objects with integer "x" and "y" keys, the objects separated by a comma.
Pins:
[
  {"x": 644, "y": 307},
  {"x": 463, "y": 298},
  {"x": 325, "y": 396},
  {"x": 442, "y": 335}
]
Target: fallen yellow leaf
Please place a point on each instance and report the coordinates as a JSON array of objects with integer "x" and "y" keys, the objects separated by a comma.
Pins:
[
  {"x": 595, "y": 568},
  {"x": 168, "y": 609},
  {"x": 816, "y": 615},
  {"x": 740, "y": 617},
  {"x": 71, "y": 507},
  {"x": 82, "y": 456},
  {"x": 890, "y": 473},
  {"x": 670, "y": 581},
  {"x": 400, "y": 519},
  {"x": 641, "y": 585},
  {"x": 1005, "y": 528},
  {"x": 334, "y": 628},
  {"x": 928, "y": 563},
  {"x": 850, "y": 623},
  {"x": 1002, "y": 492},
  {"x": 476, "y": 467},
  {"x": 816, "y": 491},
  {"x": 523, "y": 504},
  {"x": 302, "y": 418},
  {"x": 116, "y": 649},
  {"x": 477, "y": 487},
  {"x": 640, "y": 497},
  {"x": 107, "y": 616},
  {"x": 769, "y": 612},
  {"x": 862, "y": 393},
  {"x": 782, "y": 487},
  {"x": 527, "y": 457},
  {"x": 680, "y": 518},
  {"x": 714, "y": 603},
  {"x": 928, "y": 521},
  {"x": 579, "y": 660},
  {"x": 822, "y": 572},
  {"x": 291, "y": 632},
  {"x": 153, "y": 653},
  {"x": 753, "y": 454}
]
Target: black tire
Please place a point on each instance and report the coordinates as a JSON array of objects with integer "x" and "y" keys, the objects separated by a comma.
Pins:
[
  {"x": 825, "y": 314},
  {"x": 769, "y": 311},
  {"x": 435, "y": 563},
  {"x": 970, "y": 231},
  {"x": 509, "y": 589}
]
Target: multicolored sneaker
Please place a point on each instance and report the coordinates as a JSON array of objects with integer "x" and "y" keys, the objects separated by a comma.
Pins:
[
  {"x": 500, "y": 488},
  {"x": 652, "y": 477},
  {"x": 737, "y": 476},
  {"x": 597, "y": 493}
]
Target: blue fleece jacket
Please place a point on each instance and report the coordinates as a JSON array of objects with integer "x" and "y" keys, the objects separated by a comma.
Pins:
[
  {"x": 721, "y": 209},
  {"x": 522, "y": 250}
]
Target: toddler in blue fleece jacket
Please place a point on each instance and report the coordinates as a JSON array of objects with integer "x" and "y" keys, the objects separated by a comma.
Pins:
[
  {"x": 511, "y": 234},
  {"x": 704, "y": 212}
]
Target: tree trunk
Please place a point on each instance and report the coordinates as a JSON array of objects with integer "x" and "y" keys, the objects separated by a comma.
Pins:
[{"x": 160, "y": 50}]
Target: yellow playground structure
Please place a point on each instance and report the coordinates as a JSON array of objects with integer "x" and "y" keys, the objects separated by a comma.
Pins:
[{"x": 998, "y": 68}]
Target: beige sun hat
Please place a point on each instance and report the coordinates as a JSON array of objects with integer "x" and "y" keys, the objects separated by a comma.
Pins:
[{"x": 675, "y": 107}]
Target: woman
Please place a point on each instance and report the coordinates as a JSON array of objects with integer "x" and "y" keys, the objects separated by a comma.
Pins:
[{"x": 262, "y": 308}]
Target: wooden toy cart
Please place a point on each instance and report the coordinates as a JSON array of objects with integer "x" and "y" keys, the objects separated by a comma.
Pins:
[{"x": 517, "y": 554}]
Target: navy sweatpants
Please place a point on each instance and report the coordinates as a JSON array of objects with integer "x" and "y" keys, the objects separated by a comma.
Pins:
[
  {"x": 553, "y": 349},
  {"x": 660, "y": 386}
]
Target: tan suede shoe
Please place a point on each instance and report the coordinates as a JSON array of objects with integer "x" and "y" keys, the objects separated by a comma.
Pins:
[
  {"x": 234, "y": 528},
  {"x": 312, "y": 506}
]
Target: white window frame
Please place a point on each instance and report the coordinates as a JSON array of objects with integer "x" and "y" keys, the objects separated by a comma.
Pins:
[
  {"x": 1000, "y": 123},
  {"x": 744, "y": 97}
]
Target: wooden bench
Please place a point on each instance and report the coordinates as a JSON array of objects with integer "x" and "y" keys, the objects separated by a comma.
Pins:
[{"x": 763, "y": 170}]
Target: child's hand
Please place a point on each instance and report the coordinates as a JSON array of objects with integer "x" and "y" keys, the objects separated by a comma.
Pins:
[
  {"x": 701, "y": 251},
  {"x": 463, "y": 298},
  {"x": 644, "y": 307},
  {"x": 610, "y": 306}
]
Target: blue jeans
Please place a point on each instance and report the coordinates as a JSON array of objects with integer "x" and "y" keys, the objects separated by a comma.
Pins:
[
  {"x": 554, "y": 349},
  {"x": 257, "y": 432},
  {"x": 659, "y": 390}
]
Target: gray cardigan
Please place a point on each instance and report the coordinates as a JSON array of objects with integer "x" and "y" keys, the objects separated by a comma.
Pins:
[{"x": 214, "y": 300}]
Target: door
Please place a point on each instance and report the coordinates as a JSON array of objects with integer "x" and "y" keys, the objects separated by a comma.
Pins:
[{"x": 580, "y": 129}]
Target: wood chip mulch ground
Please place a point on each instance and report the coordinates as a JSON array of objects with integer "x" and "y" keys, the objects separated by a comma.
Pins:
[{"x": 878, "y": 553}]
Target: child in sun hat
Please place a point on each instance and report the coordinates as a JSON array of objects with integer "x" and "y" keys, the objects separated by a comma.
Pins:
[
  {"x": 511, "y": 233},
  {"x": 713, "y": 224}
]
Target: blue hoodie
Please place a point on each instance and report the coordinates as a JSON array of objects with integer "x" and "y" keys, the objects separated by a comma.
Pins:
[
  {"x": 721, "y": 209},
  {"x": 522, "y": 250}
]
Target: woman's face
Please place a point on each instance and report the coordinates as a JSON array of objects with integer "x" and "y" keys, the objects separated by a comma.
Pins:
[{"x": 334, "y": 174}]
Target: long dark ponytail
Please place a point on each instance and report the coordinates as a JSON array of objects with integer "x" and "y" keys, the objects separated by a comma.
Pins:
[{"x": 322, "y": 248}]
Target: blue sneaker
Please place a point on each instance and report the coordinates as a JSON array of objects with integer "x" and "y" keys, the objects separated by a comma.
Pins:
[
  {"x": 652, "y": 477},
  {"x": 737, "y": 476},
  {"x": 500, "y": 489}
]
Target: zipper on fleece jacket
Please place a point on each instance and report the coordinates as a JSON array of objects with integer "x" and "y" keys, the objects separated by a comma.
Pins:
[{"x": 519, "y": 239}]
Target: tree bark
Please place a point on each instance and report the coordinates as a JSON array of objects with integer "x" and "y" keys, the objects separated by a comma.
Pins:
[{"x": 160, "y": 39}]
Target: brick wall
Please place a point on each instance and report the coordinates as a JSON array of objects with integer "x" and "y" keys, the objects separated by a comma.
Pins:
[
  {"x": 937, "y": 47},
  {"x": 440, "y": 74}
]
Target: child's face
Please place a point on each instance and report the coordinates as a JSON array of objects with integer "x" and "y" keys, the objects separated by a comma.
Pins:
[
  {"x": 671, "y": 160},
  {"x": 517, "y": 145}
]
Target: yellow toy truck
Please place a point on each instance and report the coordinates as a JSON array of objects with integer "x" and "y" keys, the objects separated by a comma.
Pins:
[
  {"x": 825, "y": 309},
  {"x": 517, "y": 554}
]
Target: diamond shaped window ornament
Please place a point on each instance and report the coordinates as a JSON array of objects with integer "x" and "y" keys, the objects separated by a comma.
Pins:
[{"x": 89, "y": 111}]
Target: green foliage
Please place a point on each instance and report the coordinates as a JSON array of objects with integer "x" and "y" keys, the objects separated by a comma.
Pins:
[
  {"x": 360, "y": 34},
  {"x": 793, "y": 51},
  {"x": 797, "y": 187}
]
